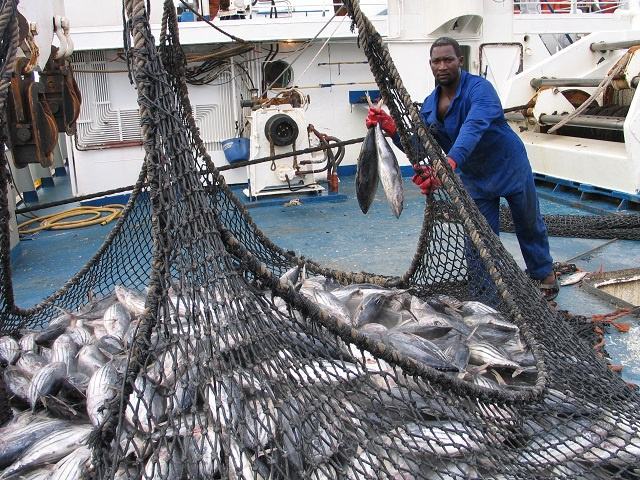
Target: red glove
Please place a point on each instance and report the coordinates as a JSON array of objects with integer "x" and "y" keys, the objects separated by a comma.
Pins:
[
  {"x": 425, "y": 178},
  {"x": 386, "y": 122}
]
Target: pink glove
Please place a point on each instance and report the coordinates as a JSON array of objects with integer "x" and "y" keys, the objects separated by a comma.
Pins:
[{"x": 386, "y": 122}]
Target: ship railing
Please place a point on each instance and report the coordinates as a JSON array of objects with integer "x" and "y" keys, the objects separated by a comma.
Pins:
[
  {"x": 596, "y": 7},
  {"x": 311, "y": 8}
]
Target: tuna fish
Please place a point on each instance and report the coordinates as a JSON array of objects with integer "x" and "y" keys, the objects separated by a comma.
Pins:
[
  {"x": 367, "y": 171},
  {"x": 389, "y": 173}
]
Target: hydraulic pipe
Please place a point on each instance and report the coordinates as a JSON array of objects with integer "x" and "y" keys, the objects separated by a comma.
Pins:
[
  {"x": 606, "y": 46},
  {"x": 587, "y": 121},
  {"x": 564, "y": 82}
]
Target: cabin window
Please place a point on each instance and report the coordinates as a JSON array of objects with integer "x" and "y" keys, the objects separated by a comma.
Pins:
[{"x": 274, "y": 76}]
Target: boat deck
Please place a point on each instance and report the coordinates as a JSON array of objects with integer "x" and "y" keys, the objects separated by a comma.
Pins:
[{"x": 337, "y": 235}]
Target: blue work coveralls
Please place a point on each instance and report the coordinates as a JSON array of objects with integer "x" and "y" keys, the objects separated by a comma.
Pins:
[{"x": 493, "y": 163}]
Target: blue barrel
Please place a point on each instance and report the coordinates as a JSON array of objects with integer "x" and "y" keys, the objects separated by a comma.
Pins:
[{"x": 236, "y": 149}]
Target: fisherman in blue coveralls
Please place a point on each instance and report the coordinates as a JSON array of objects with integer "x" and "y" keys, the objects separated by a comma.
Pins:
[{"x": 467, "y": 118}]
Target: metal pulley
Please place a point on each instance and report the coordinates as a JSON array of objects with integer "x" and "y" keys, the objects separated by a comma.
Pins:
[
  {"x": 32, "y": 128},
  {"x": 62, "y": 92},
  {"x": 281, "y": 130}
]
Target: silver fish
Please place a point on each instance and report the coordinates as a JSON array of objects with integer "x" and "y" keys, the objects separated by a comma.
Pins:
[
  {"x": 367, "y": 171},
  {"x": 391, "y": 318},
  {"x": 90, "y": 359},
  {"x": 186, "y": 393},
  {"x": 9, "y": 350},
  {"x": 328, "y": 302},
  {"x": 18, "y": 384},
  {"x": 30, "y": 363},
  {"x": 73, "y": 466},
  {"x": 79, "y": 381},
  {"x": 240, "y": 464},
  {"x": 322, "y": 434},
  {"x": 80, "y": 335},
  {"x": 444, "y": 439},
  {"x": 28, "y": 343},
  {"x": 291, "y": 276},
  {"x": 572, "y": 279},
  {"x": 46, "y": 353},
  {"x": 316, "y": 281},
  {"x": 41, "y": 473},
  {"x": 428, "y": 332},
  {"x": 420, "y": 350},
  {"x": 164, "y": 463},
  {"x": 483, "y": 353},
  {"x": 478, "y": 379},
  {"x": 96, "y": 307},
  {"x": 389, "y": 172},
  {"x": 260, "y": 423},
  {"x": 364, "y": 465},
  {"x": 47, "y": 381},
  {"x": 50, "y": 332},
  {"x": 15, "y": 439},
  {"x": 116, "y": 320},
  {"x": 102, "y": 388},
  {"x": 324, "y": 471},
  {"x": 475, "y": 308},
  {"x": 51, "y": 448},
  {"x": 494, "y": 319},
  {"x": 146, "y": 408},
  {"x": 565, "y": 442},
  {"x": 368, "y": 309},
  {"x": 110, "y": 345},
  {"x": 133, "y": 300},
  {"x": 290, "y": 421},
  {"x": 171, "y": 363},
  {"x": 203, "y": 453},
  {"x": 65, "y": 350}
]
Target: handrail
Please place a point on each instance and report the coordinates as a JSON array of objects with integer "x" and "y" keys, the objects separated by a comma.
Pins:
[
  {"x": 273, "y": 8},
  {"x": 592, "y": 7}
]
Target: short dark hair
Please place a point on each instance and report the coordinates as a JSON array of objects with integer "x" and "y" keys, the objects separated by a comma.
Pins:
[{"x": 443, "y": 42}]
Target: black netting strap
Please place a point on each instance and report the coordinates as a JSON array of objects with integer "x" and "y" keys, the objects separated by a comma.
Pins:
[{"x": 8, "y": 51}]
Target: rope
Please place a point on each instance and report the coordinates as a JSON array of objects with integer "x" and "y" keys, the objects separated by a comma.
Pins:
[
  {"x": 54, "y": 221},
  {"x": 301, "y": 52},
  {"x": 604, "y": 84},
  {"x": 322, "y": 48}
]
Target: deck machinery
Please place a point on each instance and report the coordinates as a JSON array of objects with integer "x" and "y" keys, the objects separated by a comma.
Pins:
[
  {"x": 275, "y": 130},
  {"x": 580, "y": 117}
]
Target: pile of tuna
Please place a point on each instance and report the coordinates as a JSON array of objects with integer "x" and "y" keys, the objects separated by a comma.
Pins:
[
  {"x": 297, "y": 404},
  {"x": 61, "y": 376},
  {"x": 468, "y": 339}
]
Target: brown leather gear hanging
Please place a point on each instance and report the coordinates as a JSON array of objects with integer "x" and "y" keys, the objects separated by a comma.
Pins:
[
  {"x": 62, "y": 92},
  {"x": 32, "y": 129}
]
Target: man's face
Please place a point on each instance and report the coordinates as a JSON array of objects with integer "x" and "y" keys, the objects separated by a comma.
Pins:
[{"x": 445, "y": 65}]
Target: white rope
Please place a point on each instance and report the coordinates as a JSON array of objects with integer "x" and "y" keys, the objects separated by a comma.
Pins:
[
  {"x": 322, "y": 48},
  {"x": 301, "y": 52}
]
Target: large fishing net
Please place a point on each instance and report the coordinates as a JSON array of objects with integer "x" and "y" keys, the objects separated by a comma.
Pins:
[{"x": 193, "y": 347}]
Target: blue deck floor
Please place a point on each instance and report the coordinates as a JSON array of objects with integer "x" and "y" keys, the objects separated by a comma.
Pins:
[{"x": 337, "y": 235}]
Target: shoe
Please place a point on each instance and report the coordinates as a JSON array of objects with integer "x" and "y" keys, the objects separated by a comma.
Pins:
[{"x": 549, "y": 290}]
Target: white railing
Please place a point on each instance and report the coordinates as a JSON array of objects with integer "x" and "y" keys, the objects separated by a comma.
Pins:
[
  {"x": 570, "y": 6},
  {"x": 291, "y": 8}
]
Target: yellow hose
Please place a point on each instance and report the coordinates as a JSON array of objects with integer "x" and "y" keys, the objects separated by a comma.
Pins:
[{"x": 53, "y": 221}]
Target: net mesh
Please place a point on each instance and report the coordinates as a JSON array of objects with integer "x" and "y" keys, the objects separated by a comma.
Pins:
[{"x": 230, "y": 371}]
